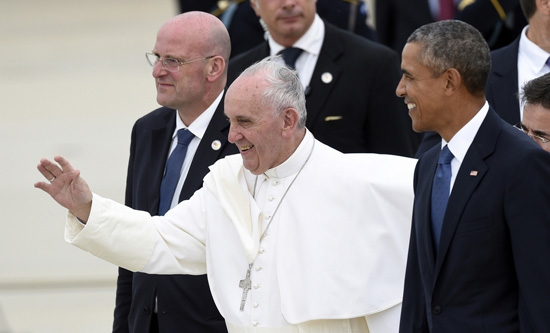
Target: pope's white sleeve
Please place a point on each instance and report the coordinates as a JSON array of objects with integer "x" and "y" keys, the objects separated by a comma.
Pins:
[
  {"x": 386, "y": 321},
  {"x": 173, "y": 244}
]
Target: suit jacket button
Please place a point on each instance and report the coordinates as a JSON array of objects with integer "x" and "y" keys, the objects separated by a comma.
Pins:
[
  {"x": 146, "y": 311},
  {"x": 436, "y": 310}
]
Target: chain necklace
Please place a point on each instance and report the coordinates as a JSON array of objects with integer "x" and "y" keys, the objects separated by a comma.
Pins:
[{"x": 246, "y": 283}]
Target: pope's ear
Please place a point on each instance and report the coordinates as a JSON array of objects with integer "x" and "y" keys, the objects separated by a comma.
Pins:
[{"x": 290, "y": 120}]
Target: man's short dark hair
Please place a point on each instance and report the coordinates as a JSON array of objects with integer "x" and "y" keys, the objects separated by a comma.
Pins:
[
  {"x": 455, "y": 44},
  {"x": 537, "y": 91}
]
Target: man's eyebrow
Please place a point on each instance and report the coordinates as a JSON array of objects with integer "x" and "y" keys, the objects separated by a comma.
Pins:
[{"x": 540, "y": 133}]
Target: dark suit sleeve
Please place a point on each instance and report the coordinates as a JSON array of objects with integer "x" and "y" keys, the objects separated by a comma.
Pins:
[
  {"x": 413, "y": 310},
  {"x": 125, "y": 277},
  {"x": 527, "y": 209}
]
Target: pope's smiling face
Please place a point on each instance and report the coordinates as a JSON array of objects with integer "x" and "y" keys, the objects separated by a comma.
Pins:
[{"x": 256, "y": 128}]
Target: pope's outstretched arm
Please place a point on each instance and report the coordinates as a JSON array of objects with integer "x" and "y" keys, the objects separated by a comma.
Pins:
[{"x": 66, "y": 186}]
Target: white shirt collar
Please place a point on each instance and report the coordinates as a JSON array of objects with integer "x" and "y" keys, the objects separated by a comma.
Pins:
[
  {"x": 462, "y": 140},
  {"x": 311, "y": 42},
  {"x": 199, "y": 125},
  {"x": 534, "y": 56}
]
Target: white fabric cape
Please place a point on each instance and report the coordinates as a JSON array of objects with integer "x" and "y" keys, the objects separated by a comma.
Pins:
[{"x": 343, "y": 237}]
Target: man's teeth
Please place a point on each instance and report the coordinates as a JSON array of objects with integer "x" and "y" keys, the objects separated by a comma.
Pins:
[
  {"x": 411, "y": 105},
  {"x": 245, "y": 148}
]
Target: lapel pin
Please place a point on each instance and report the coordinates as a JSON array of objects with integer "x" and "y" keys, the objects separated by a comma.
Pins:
[
  {"x": 216, "y": 144},
  {"x": 326, "y": 77},
  {"x": 473, "y": 173}
]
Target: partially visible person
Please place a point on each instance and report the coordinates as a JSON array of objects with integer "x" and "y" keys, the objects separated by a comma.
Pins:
[
  {"x": 189, "y": 62},
  {"x": 523, "y": 60},
  {"x": 536, "y": 110},
  {"x": 295, "y": 236},
  {"x": 500, "y": 21},
  {"x": 349, "y": 81},
  {"x": 479, "y": 242},
  {"x": 246, "y": 29}
]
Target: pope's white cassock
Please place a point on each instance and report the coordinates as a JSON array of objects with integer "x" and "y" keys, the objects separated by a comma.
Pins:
[{"x": 332, "y": 260}]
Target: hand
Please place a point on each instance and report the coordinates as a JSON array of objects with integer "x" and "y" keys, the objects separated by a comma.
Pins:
[{"x": 66, "y": 186}]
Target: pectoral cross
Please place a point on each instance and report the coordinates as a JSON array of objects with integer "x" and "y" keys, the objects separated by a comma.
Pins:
[{"x": 245, "y": 285}]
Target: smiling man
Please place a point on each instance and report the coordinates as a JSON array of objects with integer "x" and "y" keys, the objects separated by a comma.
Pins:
[
  {"x": 479, "y": 240},
  {"x": 294, "y": 235}
]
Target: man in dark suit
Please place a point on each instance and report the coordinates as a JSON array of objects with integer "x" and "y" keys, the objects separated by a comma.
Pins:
[
  {"x": 479, "y": 240},
  {"x": 519, "y": 62},
  {"x": 247, "y": 32},
  {"x": 349, "y": 80},
  {"x": 190, "y": 69}
]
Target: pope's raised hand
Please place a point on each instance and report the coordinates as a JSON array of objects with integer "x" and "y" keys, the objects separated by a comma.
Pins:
[{"x": 66, "y": 186}]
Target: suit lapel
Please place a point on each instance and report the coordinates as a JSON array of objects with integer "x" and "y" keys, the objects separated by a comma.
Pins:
[
  {"x": 423, "y": 221},
  {"x": 206, "y": 153},
  {"x": 319, "y": 87},
  {"x": 161, "y": 138},
  {"x": 471, "y": 173}
]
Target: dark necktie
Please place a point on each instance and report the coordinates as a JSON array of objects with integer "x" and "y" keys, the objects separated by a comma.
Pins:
[
  {"x": 446, "y": 9},
  {"x": 173, "y": 170},
  {"x": 440, "y": 192},
  {"x": 290, "y": 54}
]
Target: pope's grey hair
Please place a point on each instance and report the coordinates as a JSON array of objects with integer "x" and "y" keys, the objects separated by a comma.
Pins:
[{"x": 284, "y": 87}]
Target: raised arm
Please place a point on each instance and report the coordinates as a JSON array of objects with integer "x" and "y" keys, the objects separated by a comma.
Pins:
[{"x": 66, "y": 186}]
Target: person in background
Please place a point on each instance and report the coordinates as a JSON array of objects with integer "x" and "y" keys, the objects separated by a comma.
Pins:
[
  {"x": 536, "y": 110},
  {"x": 349, "y": 80},
  {"x": 500, "y": 21},
  {"x": 521, "y": 61},
  {"x": 479, "y": 242},
  {"x": 189, "y": 62},
  {"x": 247, "y": 30}
]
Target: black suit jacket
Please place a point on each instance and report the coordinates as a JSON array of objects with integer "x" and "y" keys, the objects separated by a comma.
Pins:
[
  {"x": 502, "y": 85},
  {"x": 358, "y": 110},
  {"x": 491, "y": 272},
  {"x": 397, "y": 19},
  {"x": 184, "y": 301}
]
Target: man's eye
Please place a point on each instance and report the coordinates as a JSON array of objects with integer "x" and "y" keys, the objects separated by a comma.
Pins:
[{"x": 172, "y": 62}]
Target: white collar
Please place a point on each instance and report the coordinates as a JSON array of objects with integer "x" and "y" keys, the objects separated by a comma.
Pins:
[
  {"x": 199, "y": 125},
  {"x": 462, "y": 140},
  {"x": 534, "y": 56},
  {"x": 289, "y": 167},
  {"x": 311, "y": 42}
]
